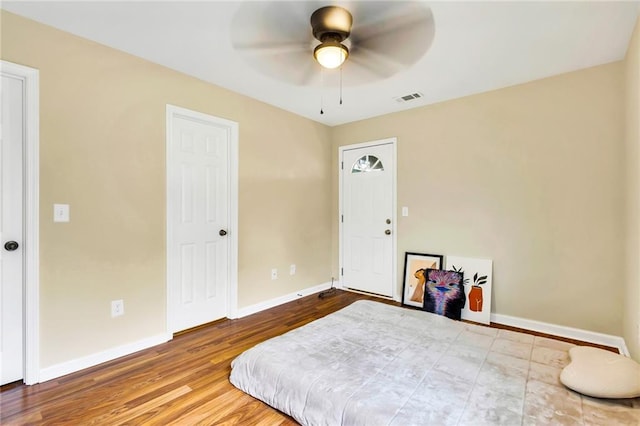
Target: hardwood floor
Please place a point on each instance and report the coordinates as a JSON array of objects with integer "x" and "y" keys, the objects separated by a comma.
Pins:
[{"x": 182, "y": 382}]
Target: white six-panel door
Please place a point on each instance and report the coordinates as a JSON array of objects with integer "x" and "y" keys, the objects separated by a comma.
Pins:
[
  {"x": 11, "y": 218},
  {"x": 198, "y": 221},
  {"x": 367, "y": 218}
]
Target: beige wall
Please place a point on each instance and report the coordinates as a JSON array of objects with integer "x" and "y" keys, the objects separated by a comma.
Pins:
[
  {"x": 632, "y": 194},
  {"x": 102, "y": 142},
  {"x": 529, "y": 176}
]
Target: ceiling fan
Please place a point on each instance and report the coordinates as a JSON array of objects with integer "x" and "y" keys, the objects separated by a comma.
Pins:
[{"x": 372, "y": 40}]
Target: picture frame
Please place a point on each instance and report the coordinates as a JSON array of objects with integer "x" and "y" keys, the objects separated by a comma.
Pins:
[
  {"x": 444, "y": 293},
  {"x": 477, "y": 282},
  {"x": 414, "y": 280}
]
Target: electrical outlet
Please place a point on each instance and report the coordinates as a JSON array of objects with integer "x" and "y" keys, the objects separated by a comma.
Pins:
[
  {"x": 117, "y": 308},
  {"x": 274, "y": 274},
  {"x": 292, "y": 269},
  {"x": 61, "y": 212}
]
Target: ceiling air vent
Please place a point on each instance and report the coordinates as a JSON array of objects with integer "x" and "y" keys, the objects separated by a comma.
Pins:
[{"x": 409, "y": 97}]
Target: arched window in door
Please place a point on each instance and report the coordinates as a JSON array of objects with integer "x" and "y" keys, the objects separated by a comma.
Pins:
[{"x": 367, "y": 163}]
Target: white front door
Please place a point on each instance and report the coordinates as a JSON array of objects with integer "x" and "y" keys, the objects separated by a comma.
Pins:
[
  {"x": 11, "y": 235},
  {"x": 367, "y": 217},
  {"x": 198, "y": 191}
]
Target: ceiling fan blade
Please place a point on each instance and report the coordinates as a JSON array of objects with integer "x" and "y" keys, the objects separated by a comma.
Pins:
[
  {"x": 308, "y": 73},
  {"x": 275, "y": 38},
  {"x": 296, "y": 67},
  {"x": 270, "y": 23},
  {"x": 402, "y": 37},
  {"x": 373, "y": 62},
  {"x": 263, "y": 48}
]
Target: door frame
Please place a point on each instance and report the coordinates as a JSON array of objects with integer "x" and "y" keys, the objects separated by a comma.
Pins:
[
  {"x": 31, "y": 217},
  {"x": 394, "y": 235},
  {"x": 173, "y": 112}
]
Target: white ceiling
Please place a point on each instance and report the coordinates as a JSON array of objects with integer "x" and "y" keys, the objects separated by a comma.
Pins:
[{"x": 478, "y": 46}]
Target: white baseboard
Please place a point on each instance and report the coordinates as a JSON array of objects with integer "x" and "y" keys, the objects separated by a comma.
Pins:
[
  {"x": 563, "y": 331},
  {"x": 78, "y": 364},
  {"x": 552, "y": 329},
  {"x": 252, "y": 309}
]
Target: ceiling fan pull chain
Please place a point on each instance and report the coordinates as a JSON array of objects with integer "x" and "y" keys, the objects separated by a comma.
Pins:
[
  {"x": 340, "y": 85},
  {"x": 321, "y": 90}
]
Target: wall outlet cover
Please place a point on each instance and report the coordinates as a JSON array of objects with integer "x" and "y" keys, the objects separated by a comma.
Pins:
[
  {"x": 117, "y": 308},
  {"x": 61, "y": 212}
]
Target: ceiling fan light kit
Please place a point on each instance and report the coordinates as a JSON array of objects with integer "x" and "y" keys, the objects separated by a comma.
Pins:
[{"x": 331, "y": 54}]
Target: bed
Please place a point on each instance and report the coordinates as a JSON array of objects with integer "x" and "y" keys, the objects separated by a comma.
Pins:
[{"x": 376, "y": 364}]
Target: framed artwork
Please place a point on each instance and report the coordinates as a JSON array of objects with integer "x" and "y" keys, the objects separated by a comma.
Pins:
[
  {"x": 477, "y": 286},
  {"x": 444, "y": 293},
  {"x": 415, "y": 265}
]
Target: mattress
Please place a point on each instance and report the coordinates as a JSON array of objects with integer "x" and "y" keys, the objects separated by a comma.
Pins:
[{"x": 376, "y": 364}]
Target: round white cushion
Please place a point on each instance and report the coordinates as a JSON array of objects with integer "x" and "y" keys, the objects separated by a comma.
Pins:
[{"x": 601, "y": 374}]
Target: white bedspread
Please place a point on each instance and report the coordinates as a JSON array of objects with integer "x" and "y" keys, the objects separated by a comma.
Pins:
[
  {"x": 376, "y": 364},
  {"x": 364, "y": 364}
]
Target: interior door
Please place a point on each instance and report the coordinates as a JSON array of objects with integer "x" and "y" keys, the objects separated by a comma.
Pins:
[
  {"x": 11, "y": 233},
  {"x": 368, "y": 218},
  {"x": 198, "y": 218}
]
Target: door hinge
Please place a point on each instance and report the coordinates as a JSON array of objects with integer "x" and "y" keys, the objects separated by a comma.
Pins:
[
  {"x": 342, "y": 165},
  {"x": 342, "y": 218},
  {"x": 342, "y": 271}
]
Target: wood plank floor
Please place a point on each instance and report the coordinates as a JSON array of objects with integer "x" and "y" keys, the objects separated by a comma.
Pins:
[{"x": 182, "y": 382}]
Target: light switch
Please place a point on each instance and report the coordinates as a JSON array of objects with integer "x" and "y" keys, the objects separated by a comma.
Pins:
[
  {"x": 61, "y": 212},
  {"x": 405, "y": 211}
]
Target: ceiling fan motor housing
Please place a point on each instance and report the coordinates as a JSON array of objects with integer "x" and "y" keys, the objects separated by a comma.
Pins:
[{"x": 331, "y": 23}]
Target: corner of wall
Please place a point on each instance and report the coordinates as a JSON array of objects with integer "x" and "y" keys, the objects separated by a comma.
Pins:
[{"x": 631, "y": 309}]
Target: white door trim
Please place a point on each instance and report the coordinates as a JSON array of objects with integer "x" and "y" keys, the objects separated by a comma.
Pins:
[
  {"x": 232, "y": 240},
  {"x": 394, "y": 266},
  {"x": 31, "y": 162}
]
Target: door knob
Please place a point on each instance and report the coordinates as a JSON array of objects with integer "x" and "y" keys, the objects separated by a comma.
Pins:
[
  {"x": 222, "y": 232},
  {"x": 388, "y": 221},
  {"x": 387, "y": 232},
  {"x": 11, "y": 246}
]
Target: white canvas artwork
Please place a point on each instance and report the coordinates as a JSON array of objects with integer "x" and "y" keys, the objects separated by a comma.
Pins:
[{"x": 477, "y": 277}]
